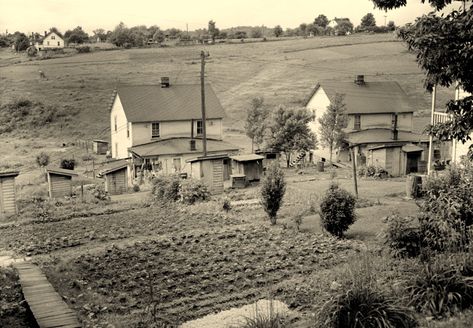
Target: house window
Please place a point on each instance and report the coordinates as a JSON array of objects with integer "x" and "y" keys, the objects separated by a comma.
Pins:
[
  {"x": 115, "y": 120},
  {"x": 128, "y": 130},
  {"x": 116, "y": 149},
  {"x": 58, "y": 44},
  {"x": 53, "y": 37},
  {"x": 357, "y": 122},
  {"x": 48, "y": 43},
  {"x": 199, "y": 128},
  {"x": 155, "y": 130},
  {"x": 177, "y": 164}
]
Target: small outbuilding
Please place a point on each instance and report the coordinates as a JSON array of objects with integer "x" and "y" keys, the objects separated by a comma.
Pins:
[
  {"x": 116, "y": 178},
  {"x": 8, "y": 193},
  {"x": 209, "y": 169},
  {"x": 250, "y": 165},
  {"x": 59, "y": 182},
  {"x": 270, "y": 157},
  {"x": 100, "y": 147}
]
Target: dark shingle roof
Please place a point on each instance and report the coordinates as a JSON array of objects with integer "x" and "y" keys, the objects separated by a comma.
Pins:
[
  {"x": 369, "y": 98},
  {"x": 147, "y": 103},
  {"x": 174, "y": 146}
]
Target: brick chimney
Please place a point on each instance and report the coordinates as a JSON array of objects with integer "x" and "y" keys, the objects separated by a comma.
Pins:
[
  {"x": 45, "y": 33},
  {"x": 165, "y": 82},
  {"x": 360, "y": 80}
]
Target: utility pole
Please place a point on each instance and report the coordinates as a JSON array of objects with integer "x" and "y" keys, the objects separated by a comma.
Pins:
[
  {"x": 187, "y": 29},
  {"x": 203, "y": 55},
  {"x": 353, "y": 162},
  {"x": 431, "y": 138}
]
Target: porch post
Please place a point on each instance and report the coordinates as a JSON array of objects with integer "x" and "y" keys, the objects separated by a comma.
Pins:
[{"x": 431, "y": 138}]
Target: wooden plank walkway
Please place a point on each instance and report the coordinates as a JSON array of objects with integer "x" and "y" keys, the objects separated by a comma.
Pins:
[{"x": 45, "y": 303}]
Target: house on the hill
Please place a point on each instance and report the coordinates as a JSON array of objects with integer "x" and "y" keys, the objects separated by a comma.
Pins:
[
  {"x": 380, "y": 124},
  {"x": 51, "y": 40},
  {"x": 160, "y": 126}
]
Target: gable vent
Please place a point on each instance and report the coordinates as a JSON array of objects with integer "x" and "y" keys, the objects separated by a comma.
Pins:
[{"x": 360, "y": 80}]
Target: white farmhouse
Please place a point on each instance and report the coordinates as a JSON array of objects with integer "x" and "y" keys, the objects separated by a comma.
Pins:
[
  {"x": 160, "y": 126},
  {"x": 51, "y": 40}
]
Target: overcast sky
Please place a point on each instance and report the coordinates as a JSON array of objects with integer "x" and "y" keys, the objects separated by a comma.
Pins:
[{"x": 40, "y": 15}]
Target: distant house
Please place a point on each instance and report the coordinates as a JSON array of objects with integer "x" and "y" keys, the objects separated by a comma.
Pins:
[
  {"x": 379, "y": 115},
  {"x": 51, "y": 40},
  {"x": 160, "y": 126}
]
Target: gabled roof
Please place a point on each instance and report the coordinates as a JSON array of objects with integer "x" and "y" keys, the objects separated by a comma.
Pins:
[
  {"x": 247, "y": 158},
  {"x": 368, "y": 98},
  {"x": 373, "y": 136},
  {"x": 7, "y": 174},
  {"x": 148, "y": 103},
  {"x": 60, "y": 171},
  {"x": 113, "y": 167},
  {"x": 177, "y": 146}
]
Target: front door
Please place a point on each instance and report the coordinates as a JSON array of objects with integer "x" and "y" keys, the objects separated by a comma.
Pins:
[{"x": 412, "y": 162}]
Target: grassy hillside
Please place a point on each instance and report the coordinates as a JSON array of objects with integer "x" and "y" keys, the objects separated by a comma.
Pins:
[{"x": 283, "y": 72}]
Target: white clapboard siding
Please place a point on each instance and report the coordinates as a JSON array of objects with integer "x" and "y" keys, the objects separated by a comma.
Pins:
[{"x": 7, "y": 197}]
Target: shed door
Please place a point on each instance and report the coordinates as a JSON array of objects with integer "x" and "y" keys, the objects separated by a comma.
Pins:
[
  {"x": 117, "y": 183},
  {"x": 217, "y": 176}
]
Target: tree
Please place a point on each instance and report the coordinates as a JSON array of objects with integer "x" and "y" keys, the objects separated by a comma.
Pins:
[
  {"x": 289, "y": 131},
  {"x": 344, "y": 27},
  {"x": 303, "y": 29},
  {"x": 368, "y": 21},
  {"x": 277, "y": 31},
  {"x": 255, "y": 125},
  {"x": 213, "y": 31},
  {"x": 273, "y": 188},
  {"x": 77, "y": 35},
  {"x": 332, "y": 123},
  {"x": 442, "y": 45},
  {"x": 21, "y": 41},
  {"x": 42, "y": 160},
  {"x": 256, "y": 33},
  {"x": 99, "y": 34},
  {"x": 321, "y": 21},
  {"x": 158, "y": 36},
  {"x": 391, "y": 26},
  {"x": 239, "y": 35}
]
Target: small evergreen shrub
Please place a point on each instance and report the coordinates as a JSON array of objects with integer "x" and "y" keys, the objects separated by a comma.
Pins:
[
  {"x": 192, "y": 191},
  {"x": 337, "y": 210},
  {"x": 68, "y": 164},
  {"x": 364, "y": 307},
  {"x": 227, "y": 204},
  {"x": 272, "y": 191},
  {"x": 166, "y": 187},
  {"x": 371, "y": 171},
  {"x": 42, "y": 159},
  {"x": 442, "y": 288},
  {"x": 136, "y": 188},
  {"x": 403, "y": 236}
]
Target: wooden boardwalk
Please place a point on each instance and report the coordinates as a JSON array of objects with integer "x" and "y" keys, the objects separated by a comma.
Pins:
[{"x": 45, "y": 303}]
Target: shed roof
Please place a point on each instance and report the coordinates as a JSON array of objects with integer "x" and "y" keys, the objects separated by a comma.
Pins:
[
  {"x": 8, "y": 174},
  {"x": 207, "y": 158},
  {"x": 373, "y": 136},
  {"x": 176, "y": 146},
  {"x": 368, "y": 98},
  {"x": 114, "y": 168},
  {"x": 410, "y": 148},
  {"x": 60, "y": 171},
  {"x": 100, "y": 141},
  {"x": 247, "y": 158},
  {"x": 148, "y": 103}
]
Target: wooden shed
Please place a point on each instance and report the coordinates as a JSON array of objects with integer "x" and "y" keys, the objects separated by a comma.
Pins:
[
  {"x": 100, "y": 147},
  {"x": 270, "y": 157},
  {"x": 116, "y": 179},
  {"x": 210, "y": 169},
  {"x": 60, "y": 182},
  {"x": 250, "y": 165},
  {"x": 7, "y": 193}
]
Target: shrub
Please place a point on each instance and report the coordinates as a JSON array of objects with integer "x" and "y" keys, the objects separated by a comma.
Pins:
[
  {"x": 441, "y": 288},
  {"x": 403, "y": 236},
  {"x": 136, "y": 188},
  {"x": 166, "y": 187},
  {"x": 337, "y": 210},
  {"x": 83, "y": 49},
  {"x": 68, "y": 164},
  {"x": 272, "y": 191},
  {"x": 372, "y": 171},
  {"x": 265, "y": 321},
  {"x": 98, "y": 193},
  {"x": 192, "y": 191},
  {"x": 42, "y": 159},
  {"x": 363, "y": 306},
  {"x": 227, "y": 204}
]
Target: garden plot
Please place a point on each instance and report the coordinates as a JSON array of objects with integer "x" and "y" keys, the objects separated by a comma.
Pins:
[{"x": 191, "y": 274}]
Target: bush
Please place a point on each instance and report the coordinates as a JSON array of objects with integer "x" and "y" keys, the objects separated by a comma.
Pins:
[
  {"x": 272, "y": 191},
  {"x": 372, "y": 171},
  {"x": 442, "y": 288},
  {"x": 364, "y": 307},
  {"x": 136, "y": 188},
  {"x": 166, "y": 187},
  {"x": 192, "y": 191},
  {"x": 68, "y": 164},
  {"x": 403, "y": 236},
  {"x": 227, "y": 204},
  {"x": 337, "y": 210},
  {"x": 98, "y": 193},
  {"x": 42, "y": 159},
  {"x": 83, "y": 49}
]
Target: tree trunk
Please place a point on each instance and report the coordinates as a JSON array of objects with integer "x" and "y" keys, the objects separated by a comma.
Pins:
[
  {"x": 331, "y": 150},
  {"x": 252, "y": 145},
  {"x": 288, "y": 159}
]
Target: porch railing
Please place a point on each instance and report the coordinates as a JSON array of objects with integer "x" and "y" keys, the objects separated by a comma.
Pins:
[{"x": 441, "y": 117}]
